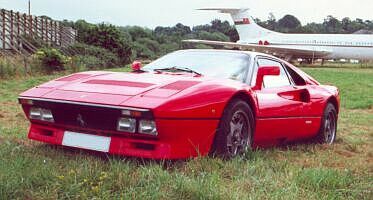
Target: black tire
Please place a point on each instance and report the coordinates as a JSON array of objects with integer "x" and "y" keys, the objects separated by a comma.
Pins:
[
  {"x": 328, "y": 129},
  {"x": 235, "y": 131}
]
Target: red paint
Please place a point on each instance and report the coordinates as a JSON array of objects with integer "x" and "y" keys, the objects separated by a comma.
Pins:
[
  {"x": 246, "y": 21},
  {"x": 72, "y": 77},
  {"x": 186, "y": 108},
  {"x": 265, "y": 71},
  {"x": 243, "y": 21},
  {"x": 119, "y": 83}
]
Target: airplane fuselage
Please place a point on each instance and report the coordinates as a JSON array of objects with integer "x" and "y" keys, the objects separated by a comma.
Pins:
[
  {"x": 292, "y": 46},
  {"x": 353, "y": 46}
]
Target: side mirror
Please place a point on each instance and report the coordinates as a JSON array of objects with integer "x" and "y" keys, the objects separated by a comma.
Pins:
[
  {"x": 136, "y": 66},
  {"x": 265, "y": 71}
]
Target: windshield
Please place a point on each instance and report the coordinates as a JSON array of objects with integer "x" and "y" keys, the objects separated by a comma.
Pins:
[{"x": 218, "y": 64}]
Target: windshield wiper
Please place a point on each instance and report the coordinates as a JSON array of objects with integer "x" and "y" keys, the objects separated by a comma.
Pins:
[{"x": 175, "y": 68}]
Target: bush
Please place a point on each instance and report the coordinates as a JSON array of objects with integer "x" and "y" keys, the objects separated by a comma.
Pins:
[
  {"x": 103, "y": 58},
  {"x": 12, "y": 66},
  {"x": 6, "y": 69},
  {"x": 142, "y": 52},
  {"x": 111, "y": 38},
  {"x": 51, "y": 59},
  {"x": 216, "y": 36},
  {"x": 87, "y": 62},
  {"x": 168, "y": 47}
]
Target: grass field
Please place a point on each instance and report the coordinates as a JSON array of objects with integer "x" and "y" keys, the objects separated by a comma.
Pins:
[{"x": 31, "y": 170}]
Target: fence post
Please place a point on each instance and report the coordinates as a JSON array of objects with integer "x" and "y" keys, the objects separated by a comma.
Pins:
[
  {"x": 3, "y": 31},
  {"x": 18, "y": 31},
  {"x": 11, "y": 28},
  {"x": 51, "y": 30},
  {"x": 55, "y": 32},
  {"x": 42, "y": 28},
  {"x": 60, "y": 34},
  {"x": 36, "y": 26},
  {"x": 25, "y": 31},
  {"x": 46, "y": 30},
  {"x": 30, "y": 25}
]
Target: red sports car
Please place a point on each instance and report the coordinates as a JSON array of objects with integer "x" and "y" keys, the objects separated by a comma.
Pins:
[{"x": 184, "y": 104}]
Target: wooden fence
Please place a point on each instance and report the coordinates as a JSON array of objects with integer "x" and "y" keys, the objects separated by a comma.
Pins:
[{"x": 19, "y": 32}]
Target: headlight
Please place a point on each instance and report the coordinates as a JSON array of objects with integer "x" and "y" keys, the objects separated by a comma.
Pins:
[
  {"x": 41, "y": 114},
  {"x": 147, "y": 127},
  {"x": 127, "y": 125}
]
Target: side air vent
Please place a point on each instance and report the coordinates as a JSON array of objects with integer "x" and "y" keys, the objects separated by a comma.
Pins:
[
  {"x": 73, "y": 77},
  {"x": 120, "y": 83},
  {"x": 180, "y": 85}
]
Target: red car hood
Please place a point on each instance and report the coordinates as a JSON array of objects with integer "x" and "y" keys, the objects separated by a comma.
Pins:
[{"x": 113, "y": 87}]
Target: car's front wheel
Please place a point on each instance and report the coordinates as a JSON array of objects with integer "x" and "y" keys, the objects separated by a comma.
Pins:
[
  {"x": 235, "y": 132},
  {"x": 328, "y": 129}
]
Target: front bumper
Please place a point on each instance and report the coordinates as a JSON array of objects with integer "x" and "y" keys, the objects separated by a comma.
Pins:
[{"x": 177, "y": 139}]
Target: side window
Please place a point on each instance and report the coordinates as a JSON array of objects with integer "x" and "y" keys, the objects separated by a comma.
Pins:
[
  {"x": 298, "y": 80},
  {"x": 274, "y": 81}
]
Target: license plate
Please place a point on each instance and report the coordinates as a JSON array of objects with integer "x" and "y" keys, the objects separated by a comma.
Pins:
[{"x": 86, "y": 141}]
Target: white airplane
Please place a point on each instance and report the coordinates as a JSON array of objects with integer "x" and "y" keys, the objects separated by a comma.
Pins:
[{"x": 293, "y": 46}]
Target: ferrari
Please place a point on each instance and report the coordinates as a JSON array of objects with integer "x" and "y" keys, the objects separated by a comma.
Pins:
[{"x": 185, "y": 104}]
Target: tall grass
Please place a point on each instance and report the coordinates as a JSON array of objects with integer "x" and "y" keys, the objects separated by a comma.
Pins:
[
  {"x": 10, "y": 67},
  {"x": 13, "y": 67},
  {"x": 31, "y": 170}
]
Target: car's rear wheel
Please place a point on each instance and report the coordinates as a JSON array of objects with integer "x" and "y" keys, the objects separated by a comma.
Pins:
[
  {"x": 235, "y": 132},
  {"x": 328, "y": 128}
]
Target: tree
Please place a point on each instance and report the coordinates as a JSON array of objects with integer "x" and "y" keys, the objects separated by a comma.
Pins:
[
  {"x": 137, "y": 32},
  {"x": 216, "y": 36},
  {"x": 181, "y": 30},
  {"x": 346, "y": 24},
  {"x": 271, "y": 22},
  {"x": 332, "y": 24},
  {"x": 84, "y": 30},
  {"x": 111, "y": 38},
  {"x": 313, "y": 28},
  {"x": 288, "y": 23},
  {"x": 162, "y": 31}
]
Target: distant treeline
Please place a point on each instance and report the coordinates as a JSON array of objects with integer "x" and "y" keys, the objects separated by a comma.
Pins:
[
  {"x": 121, "y": 45},
  {"x": 290, "y": 24},
  {"x": 134, "y": 42},
  {"x": 104, "y": 45}
]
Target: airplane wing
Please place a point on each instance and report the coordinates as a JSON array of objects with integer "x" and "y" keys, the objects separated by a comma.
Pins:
[{"x": 277, "y": 50}]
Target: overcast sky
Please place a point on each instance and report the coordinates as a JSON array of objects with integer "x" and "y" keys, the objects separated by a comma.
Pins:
[{"x": 152, "y": 13}]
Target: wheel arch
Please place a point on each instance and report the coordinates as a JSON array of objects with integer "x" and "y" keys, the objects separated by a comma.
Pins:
[
  {"x": 334, "y": 102},
  {"x": 243, "y": 95},
  {"x": 238, "y": 95}
]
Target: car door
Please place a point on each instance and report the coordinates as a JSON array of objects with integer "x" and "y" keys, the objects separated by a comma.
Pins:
[
  {"x": 280, "y": 105},
  {"x": 311, "y": 112}
]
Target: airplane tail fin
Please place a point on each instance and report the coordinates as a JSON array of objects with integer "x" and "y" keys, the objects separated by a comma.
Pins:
[{"x": 246, "y": 27}]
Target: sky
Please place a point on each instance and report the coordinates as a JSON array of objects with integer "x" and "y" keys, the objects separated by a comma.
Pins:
[{"x": 152, "y": 13}]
